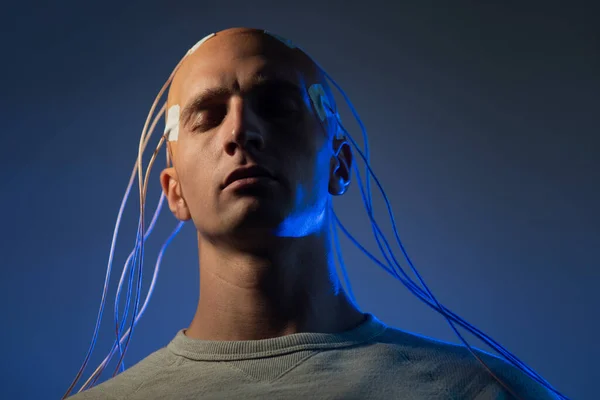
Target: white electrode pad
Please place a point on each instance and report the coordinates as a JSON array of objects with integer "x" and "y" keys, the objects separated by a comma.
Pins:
[{"x": 172, "y": 125}]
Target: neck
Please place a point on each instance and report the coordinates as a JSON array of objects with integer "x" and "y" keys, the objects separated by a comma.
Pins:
[{"x": 290, "y": 289}]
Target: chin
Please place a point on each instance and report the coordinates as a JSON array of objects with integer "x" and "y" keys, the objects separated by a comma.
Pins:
[
  {"x": 253, "y": 216},
  {"x": 258, "y": 220}
]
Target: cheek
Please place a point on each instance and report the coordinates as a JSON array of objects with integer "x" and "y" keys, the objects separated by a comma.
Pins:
[
  {"x": 323, "y": 169},
  {"x": 314, "y": 173},
  {"x": 196, "y": 177},
  {"x": 312, "y": 148}
]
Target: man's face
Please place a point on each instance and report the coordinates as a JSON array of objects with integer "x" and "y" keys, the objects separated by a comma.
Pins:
[{"x": 244, "y": 102}]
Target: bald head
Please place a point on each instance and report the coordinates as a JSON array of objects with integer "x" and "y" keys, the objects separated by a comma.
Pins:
[{"x": 227, "y": 46}]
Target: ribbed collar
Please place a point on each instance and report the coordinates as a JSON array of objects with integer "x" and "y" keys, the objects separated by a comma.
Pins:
[{"x": 209, "y": 350}]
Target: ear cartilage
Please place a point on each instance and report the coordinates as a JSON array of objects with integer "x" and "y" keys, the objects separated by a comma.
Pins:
[{"x": 172, "y": 125}]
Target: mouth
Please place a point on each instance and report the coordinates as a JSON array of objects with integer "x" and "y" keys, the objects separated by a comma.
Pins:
[{"x": 251, "y": 175}]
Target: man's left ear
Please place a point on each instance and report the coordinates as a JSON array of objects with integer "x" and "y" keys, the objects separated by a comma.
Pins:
[{"x": 341, "y": 164}]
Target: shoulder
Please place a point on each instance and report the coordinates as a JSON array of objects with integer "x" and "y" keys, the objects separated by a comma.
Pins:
[
  {"x": 129, "y": 381},
  {"x": 454, "y": 368}
]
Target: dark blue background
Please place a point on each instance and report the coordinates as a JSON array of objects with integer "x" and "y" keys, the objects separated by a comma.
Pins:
[{"x": 484, "y": 129}]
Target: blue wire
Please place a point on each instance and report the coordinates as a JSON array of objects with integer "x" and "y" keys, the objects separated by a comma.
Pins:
[
  {"x": 513, "y": 359},
  {"x": 379, "y": 235},
  {"x": 159, "y": 258},
  {"x": 365, "y": 157},
  {"x": 440, "y": 308},
  {"x": 466, "y": 325},
  {"x": 370, "y": 212},
  {"x": 368, "y": 205},
  {"x": 120, "y": 326},
  {"x": 340, "y": 258},
  {"x": 140, "y": 248}
]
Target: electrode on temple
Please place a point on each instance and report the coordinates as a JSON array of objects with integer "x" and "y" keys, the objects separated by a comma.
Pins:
[{"x": 172, "y": 124}]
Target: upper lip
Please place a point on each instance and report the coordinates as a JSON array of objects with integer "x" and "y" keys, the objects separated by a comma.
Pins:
[{"x": 250, "y": 171}]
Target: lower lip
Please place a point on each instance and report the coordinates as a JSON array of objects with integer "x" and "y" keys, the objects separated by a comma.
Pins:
[{"x": 252, "y": 181}]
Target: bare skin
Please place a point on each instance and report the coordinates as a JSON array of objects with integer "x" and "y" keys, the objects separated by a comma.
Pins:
[{"x": 266, "y": 264}]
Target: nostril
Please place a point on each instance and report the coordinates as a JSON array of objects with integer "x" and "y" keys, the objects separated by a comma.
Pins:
[{"x": 245, "y": 139}]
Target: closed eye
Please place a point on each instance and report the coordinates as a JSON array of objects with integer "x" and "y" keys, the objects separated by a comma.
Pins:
[
  {"x": 209, "y": 117},
  {"x": 275, "y": 109},
  {"x": 277, "y": 103}
]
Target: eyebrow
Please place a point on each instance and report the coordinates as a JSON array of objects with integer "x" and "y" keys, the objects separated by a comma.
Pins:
[
  {"x": 201, "y": 99},
  {"x": 208, "y": 95}
]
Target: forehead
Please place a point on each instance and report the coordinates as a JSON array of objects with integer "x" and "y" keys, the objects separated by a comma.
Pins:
[{"x": 233, "y": 61}]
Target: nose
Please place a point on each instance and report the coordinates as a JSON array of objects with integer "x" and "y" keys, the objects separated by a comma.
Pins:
[{"x": 245, "y": 130}]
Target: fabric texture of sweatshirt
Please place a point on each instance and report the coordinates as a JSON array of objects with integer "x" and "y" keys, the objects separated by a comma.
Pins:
[{"x": 371, "y": 361}]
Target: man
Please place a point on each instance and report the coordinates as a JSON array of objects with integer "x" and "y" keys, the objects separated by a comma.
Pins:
[{"x": 255, "y": 168}]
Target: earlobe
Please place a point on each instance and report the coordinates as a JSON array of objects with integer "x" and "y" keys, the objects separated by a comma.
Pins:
[{"x": 172, "y": 190}]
